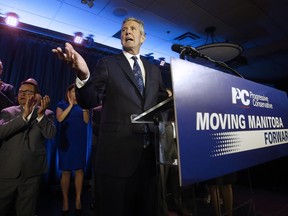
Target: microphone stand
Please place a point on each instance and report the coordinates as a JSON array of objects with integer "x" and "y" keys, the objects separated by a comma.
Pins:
[
  {"x": 218, "y": 63},
  {"x": 183, "y": 53}
]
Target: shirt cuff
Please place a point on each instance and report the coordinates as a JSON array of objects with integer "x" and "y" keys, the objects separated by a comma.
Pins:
[{"x": 80, "y": 83}]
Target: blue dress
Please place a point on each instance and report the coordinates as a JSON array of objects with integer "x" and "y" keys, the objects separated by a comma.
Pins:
[{"x": 72, "y": 144}]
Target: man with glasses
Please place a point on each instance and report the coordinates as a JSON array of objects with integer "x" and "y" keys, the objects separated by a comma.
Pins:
[{"x": 23, "y": 131}]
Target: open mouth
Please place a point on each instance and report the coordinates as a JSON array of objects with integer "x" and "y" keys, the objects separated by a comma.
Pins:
[{"x": 128, "y": 39}]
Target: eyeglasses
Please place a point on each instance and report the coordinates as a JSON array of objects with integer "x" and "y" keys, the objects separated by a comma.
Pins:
[{"x": 26, "y": 92}]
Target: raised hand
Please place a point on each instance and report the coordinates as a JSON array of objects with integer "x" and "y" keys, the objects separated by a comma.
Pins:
[
  {"x": 43, "y": 105},
  {"x": 70, "y": 98},
  {"x": 29, "y": 105},
  {"x": 71, "y": 56}
]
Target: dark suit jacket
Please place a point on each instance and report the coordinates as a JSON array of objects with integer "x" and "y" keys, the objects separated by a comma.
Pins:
[
  {"x": 120, "y": 143},
  {"x": 23, "y": 143},
  {"x": 7, "y": 96}
]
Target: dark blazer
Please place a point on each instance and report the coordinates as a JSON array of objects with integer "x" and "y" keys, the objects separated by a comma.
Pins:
[
  {"x": 120, "y": 143},
  {"x": 23, "y": 143}
]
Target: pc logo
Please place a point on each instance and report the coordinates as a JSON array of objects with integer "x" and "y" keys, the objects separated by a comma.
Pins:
[{"x": 240, "y": 96}]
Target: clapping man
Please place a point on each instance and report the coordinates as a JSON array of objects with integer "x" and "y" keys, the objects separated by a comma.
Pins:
[{"x": 23, "y": 131}]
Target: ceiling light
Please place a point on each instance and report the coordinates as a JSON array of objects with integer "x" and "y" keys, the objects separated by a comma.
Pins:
[
  {"x": 120, "y": 12},
  {"x": 78, "y": 38},
  {"x": 12, "y": 19},
  {"x": 90, "y": 3},
  {"x": 219, "y": 51}
]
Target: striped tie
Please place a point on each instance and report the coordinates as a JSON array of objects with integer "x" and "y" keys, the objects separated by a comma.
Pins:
[{"x": 138, "y": 75}]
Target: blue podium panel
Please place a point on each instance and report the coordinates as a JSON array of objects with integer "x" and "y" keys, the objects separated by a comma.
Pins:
[{"x": 225, "y": 123}]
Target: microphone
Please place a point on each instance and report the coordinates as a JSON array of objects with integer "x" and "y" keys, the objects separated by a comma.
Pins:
[{"x": 186, "y": 50}]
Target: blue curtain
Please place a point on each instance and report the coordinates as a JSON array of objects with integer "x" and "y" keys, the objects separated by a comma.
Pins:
[{"x": 30, "y": 55}]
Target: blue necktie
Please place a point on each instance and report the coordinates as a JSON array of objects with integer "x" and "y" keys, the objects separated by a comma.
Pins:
[{"x": 138, "y": 75}]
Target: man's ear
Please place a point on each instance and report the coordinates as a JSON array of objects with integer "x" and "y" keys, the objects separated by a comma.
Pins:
[{"x": 143, "y": 38}]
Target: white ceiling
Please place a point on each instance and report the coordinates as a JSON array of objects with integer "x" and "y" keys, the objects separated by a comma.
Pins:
[{"x": 259, "y": 26}]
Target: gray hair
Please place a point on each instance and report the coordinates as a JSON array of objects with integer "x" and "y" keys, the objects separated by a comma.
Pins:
[{"x": 140, "y": 22}]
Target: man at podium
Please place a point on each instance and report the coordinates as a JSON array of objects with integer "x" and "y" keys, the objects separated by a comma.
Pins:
[{"x": 127, "y": 84}]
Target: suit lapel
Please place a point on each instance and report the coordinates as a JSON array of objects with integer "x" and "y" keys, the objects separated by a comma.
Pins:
[
  {"x": 124, "y": 64},
  {"x": 148, "y": 71},
  {"x": 18, "y": 110}
]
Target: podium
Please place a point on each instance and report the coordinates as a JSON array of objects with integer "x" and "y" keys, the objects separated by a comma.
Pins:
[
  {"x": 154, "y": 116},
  {"x": 224, "y": 123},
  {"x": 149, "y": 115}
]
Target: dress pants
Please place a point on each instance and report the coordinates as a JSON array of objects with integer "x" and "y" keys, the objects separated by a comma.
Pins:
[
  {"x": 131, "y": 196},
  {"x": 18, "y": 197}
]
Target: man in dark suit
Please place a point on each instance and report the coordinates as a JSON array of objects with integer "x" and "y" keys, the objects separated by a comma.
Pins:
[
  {"x": 7, "y": 94},
  {"x": 125, "y": 157},
  {"x": 23, "y": 130}
]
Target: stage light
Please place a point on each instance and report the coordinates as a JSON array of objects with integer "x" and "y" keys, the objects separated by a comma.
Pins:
[
  {"x": 149, "y": 57},
  {"x": 162, "y": 61},
  {"x": 78, "y": 38},
  {"x": 12, "y": 19},
  {"x": 89, "y": 41}
]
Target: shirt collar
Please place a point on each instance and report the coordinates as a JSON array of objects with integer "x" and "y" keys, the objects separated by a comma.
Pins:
[{"x": 128, "y": 55}]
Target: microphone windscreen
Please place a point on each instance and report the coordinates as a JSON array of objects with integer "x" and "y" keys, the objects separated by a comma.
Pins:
[{"x": 177, "y": 48}]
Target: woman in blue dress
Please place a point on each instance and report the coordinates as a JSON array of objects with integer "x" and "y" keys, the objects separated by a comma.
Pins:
[{"x": 72, "y": 148}]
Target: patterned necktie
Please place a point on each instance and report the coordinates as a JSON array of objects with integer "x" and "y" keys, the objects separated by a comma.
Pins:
[{"x": 138, "y": 75}]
